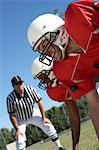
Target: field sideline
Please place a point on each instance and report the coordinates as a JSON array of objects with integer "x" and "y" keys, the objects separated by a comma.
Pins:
[{"x": 87, "y": 140}]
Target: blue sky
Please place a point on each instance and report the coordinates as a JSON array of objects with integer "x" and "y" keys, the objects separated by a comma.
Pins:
[{"x": 16, "y": 55}]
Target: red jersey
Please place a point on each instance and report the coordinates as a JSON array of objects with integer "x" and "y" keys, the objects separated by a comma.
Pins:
[
  {"x": 82, "y": 23},
  {"x": 60, "y": 93}
]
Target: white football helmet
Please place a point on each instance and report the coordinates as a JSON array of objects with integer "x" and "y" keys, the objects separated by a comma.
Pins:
[
  {"x": 48, "y": 79},
  {"x": 47, "y": 26},
  {"x": 39, "y": 68}
]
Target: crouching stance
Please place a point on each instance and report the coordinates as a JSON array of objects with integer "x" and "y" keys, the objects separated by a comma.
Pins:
[
  {"x": 20, "y": 105},
  {"x": 58, "y": 92}
]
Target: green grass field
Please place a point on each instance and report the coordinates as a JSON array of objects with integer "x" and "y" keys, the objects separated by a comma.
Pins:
[{"x": 87, "y": 140}]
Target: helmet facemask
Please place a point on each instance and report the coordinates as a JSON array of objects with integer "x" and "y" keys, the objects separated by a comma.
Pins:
[
  {"x": 47, "y": 78},
  {"x": 52, "y": 45},
  {"x": 44, "y": 80},
  {"x": 46, "y": 41},
  {"x": 42, "y": 72}
]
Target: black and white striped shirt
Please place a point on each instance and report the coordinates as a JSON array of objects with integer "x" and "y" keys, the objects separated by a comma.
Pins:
[{"x": 22, "y": 107}]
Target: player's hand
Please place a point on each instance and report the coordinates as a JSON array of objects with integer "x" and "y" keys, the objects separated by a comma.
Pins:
[
  {"x": 69, "y": 97},
  {"x": 76, "y": 147},
  {"x": 17, "y": 133},
  {"x": 45, "y": 120}
]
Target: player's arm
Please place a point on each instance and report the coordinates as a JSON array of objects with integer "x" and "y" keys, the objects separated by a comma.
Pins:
[
  {"x": 13, "y": 120},
  {"x": 40, "y": 105},
  {"x": 15, "y": 124},
  {"x": 11, "y": 112},
  {"x": 12, "y": 117},
  {"x": 44, "y": 119}
]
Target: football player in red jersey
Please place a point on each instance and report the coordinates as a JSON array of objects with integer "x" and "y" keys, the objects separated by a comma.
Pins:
[{"x": 73, "y": 45}]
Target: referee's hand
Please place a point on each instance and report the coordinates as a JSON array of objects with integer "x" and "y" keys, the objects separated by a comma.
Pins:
[
  {"x": 45, "y": 120},
  {"x": 17, "y": 133}
]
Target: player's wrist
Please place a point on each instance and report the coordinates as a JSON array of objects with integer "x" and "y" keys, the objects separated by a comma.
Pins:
[
  {"x": 16, "y": 128},
  {"x": 43, "y": 117}
]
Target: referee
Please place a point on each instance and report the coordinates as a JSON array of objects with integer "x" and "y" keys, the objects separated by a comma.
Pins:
[{"x": 20, "y": 106}]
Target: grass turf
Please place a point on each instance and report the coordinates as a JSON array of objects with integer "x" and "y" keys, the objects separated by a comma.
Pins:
[{"x": 87, "y": 141}]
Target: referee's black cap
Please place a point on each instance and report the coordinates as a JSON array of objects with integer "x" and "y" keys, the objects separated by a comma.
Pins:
[{"x": 16, "y": 80}]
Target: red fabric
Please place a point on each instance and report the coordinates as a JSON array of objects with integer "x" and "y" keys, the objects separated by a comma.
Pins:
[
  {"x": 60, "y": 93},
  {"x": 63, "y": 70},
  {"x": 87, "y": 0},
  {"x": 83, "y": 88},
  {"x": 57, "y": 93},
  {"x": 85, "y": 68},
  {"x": 81, "y": 20},
  {"x": 86, "y": 20}
]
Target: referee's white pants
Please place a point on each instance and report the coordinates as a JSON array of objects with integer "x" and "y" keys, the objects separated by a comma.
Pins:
[{"x": 36, "y": 120}]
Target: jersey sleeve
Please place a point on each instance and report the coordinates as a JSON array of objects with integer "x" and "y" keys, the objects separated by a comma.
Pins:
[
  {"x": 57, "y": 93},
  {"x": 36, "y": 95},
  {"x": 10, "y": 106},
  {"x": 81, "y": 20}
]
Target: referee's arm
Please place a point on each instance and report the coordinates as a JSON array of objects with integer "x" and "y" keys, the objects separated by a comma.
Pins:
[
  {"x": 13, "y": 121},
  {"x": 10, "y": 109},
  {"x": 40, "y": 105}
]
